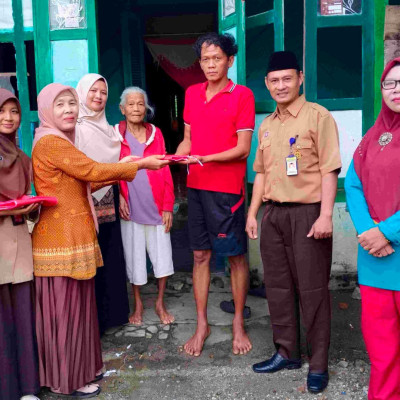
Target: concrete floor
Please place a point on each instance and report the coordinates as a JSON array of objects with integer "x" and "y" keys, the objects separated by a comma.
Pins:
[{"x": 149, "y": 363}]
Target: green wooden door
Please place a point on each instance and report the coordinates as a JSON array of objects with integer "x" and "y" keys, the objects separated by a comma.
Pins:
[
  {"x": 65, "y": 40},
  {"x": 231, "y": 19},
  {"x": 17, "y": 71}
]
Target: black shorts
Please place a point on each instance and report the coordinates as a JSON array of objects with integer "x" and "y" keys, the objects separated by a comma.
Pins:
[{"x": 217, "y": 222}]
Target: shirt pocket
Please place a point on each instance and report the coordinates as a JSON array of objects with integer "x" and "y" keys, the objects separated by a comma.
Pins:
[
  {"x": 265, "y": 143},
  {"x": 304, "y": 147}
]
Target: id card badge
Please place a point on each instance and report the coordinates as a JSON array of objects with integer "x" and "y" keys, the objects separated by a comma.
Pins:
[{"x": 291, "y": 165}]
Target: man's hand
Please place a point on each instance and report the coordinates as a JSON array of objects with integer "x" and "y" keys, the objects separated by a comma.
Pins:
[
  {"x": 167, "y": 220},
  {"x": 192, "y": 160},
  {"x": 251, "y": 227},
  {"x": 372, "y": 240},
  {"x": 123, "y": 208},
  {"x": 322, "y": 228},
  {"x": 384, "y": 251}
]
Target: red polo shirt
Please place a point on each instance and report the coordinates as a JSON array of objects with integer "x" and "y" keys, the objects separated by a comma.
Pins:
[{"x": 214, "y": 127}]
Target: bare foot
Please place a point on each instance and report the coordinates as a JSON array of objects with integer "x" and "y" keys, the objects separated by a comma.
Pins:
[
  {"x": 241, "y": 343},
  {"x": 194, "y": 345},
  {"x": 165, "y": 316},
  {"x": 136, "y": 317}
]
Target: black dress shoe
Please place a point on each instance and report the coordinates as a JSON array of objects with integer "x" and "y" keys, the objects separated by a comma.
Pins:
[
  {"x": 276, "y": 363},
  {"x": 316, "y": 383}
]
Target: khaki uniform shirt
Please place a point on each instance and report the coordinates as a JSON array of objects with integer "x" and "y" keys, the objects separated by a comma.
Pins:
[
  {"x": 16, "y": 263},
  {"x": 316, "y": 147}
]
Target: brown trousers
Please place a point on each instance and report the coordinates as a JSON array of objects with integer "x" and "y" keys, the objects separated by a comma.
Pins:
[{"x": 296, "y": 274}]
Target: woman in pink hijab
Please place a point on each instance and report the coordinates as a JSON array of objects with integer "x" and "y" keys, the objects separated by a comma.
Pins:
[
  {"x": 66, "y": 253},
  {"x": 18, "y": 368}
]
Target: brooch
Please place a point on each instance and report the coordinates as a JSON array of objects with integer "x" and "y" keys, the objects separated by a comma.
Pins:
[
  {"x": 297, "y": 154},
  {"x": 385, "y": 139}
]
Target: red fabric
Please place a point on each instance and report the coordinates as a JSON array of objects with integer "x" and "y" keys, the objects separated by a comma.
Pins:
[
  {"x": 185, "y": 77},
  {"x": 380, "y": 321},
  {"x": 26, "y": 200},
  {"x": 381, "y": 190},
  {"x": 213, "y": 129},
  {"x": 161, "y": 182},
  {"x": 177, "y": 58}
]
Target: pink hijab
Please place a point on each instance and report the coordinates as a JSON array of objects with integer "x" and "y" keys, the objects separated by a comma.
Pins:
[
  {"x": 47, "y": 125},
  {"x": 377, "y": 166},
  {"x": 15, "y": 165}
]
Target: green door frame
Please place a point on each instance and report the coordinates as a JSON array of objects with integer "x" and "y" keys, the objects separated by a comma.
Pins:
[
  {"x": 235, "y": 20},
  {"x": 44, "y": 36},
  {"x": 379, "y": 22},
  {"x": 275, "y": 17},
  {"x": 17, "y": 36},
  {"x": 365, "y": 20}
]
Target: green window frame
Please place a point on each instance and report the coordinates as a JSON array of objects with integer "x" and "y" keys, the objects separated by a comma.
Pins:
[
  {"x": 364, "y": 20},
  {"x": 17, "y": 36},
  {"x": 44, "y": 36},
  {"x": 275, "y": 17},
  {"x": 235, "y": 20}
]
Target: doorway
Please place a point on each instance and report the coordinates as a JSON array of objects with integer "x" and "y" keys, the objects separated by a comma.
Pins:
[{"x": 149, "y": 44}]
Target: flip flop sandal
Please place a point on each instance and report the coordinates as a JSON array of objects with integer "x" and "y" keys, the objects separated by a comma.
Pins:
[
  {"x": 78, "y": 394},
  {"x": 229, "y": 307},
  {"x": 97, "y": 378}
]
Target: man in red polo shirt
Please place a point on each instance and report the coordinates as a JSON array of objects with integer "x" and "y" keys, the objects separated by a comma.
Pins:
[{"x": 219, "y": 121}]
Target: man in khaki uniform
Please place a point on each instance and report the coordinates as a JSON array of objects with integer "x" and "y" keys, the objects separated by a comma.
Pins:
[{"x": 297, "y": 165}]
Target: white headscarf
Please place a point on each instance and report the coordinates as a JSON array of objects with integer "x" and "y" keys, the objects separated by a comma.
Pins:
[{"x": 93, "y": 135}]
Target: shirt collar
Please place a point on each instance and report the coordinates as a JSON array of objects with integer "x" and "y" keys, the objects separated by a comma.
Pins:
[
  {"x": 227, "y": 89},
  {"x": 293, "y": 109}
]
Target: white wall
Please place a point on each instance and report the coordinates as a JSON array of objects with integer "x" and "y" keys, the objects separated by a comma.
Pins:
[{"x": 350, "y": 133}]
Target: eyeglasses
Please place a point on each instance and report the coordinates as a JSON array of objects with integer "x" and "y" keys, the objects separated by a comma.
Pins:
[{"x": 390, "y": 84}]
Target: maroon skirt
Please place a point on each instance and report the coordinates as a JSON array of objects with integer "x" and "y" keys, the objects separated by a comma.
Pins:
[
  {"x": 18, "y": 354},
  {"x": 67, "y": 332}
]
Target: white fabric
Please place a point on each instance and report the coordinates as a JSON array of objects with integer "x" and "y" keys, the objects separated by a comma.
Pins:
[
  {"x": 93, "y": 134},
  {"x": 137, "y": 238}
]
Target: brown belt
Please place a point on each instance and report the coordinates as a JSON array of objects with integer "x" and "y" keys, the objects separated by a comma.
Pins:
[{"x": 289, "y": 204}]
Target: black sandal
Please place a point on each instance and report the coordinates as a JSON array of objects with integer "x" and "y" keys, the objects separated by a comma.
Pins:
[
  {"x": 229, "y": 307},
  {"x": 97, "y": 378},
  {"x": 78, "y": 394}
]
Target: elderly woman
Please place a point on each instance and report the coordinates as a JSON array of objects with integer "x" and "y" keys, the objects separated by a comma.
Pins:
[
  {"x": 66, "y": 253},
  {"x": 373, "y": 198},
  {"x": 18, "y": 352},
  {"x": 98, "y": 140},
  {"x": 146, "y": 206}
]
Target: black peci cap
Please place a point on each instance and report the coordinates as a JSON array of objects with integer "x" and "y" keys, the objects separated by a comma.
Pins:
[{"x": 280, "y": 60}]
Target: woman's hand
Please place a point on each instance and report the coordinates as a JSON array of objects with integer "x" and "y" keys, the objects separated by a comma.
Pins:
[
  {"x": 372, "y": 240},
  {"x": 123, "y": 208},
  {"x": 128, "y": 159},
  {"x": 20, "y": 211},
  {"x": 384, "y": 251},
  {"x": 167, "y": 220},
  {"x": 152, "y": 162}
]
